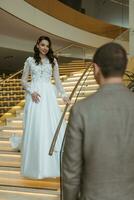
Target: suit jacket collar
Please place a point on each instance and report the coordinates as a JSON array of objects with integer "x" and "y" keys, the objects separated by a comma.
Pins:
[{"x": 113, "y": 87}]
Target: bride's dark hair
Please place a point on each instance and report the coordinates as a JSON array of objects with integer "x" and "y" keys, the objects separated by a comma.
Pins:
[{"x": 50, "y": 54}]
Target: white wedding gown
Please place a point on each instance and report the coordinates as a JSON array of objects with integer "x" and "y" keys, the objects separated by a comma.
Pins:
[{"x": 41, "y": 120}]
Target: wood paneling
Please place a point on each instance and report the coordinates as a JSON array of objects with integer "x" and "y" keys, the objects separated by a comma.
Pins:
[{"x": 70, "y": 16}]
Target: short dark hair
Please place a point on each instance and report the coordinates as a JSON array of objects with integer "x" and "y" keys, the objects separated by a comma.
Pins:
[{"x": 112, "y": 60}]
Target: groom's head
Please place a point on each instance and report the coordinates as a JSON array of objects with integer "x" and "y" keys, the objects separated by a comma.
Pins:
[{"x": 110, "y": 61}]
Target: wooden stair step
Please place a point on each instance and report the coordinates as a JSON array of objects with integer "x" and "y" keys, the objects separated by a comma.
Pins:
[
  {"x": 72, "y": 83},
  {"x": 10, "y": 160},
  {"x": 77, "y": 78},
  {"x": 30, "y": 190},
  {"x": 11, "y": 130},
  {"x": 7, "y": 135},
  {"x": 20, "y": 195},
  {"x": 14, "y": 178}
]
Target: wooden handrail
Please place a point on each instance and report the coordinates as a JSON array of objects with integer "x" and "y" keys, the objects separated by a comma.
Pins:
[{"x": 64, "y": 112}]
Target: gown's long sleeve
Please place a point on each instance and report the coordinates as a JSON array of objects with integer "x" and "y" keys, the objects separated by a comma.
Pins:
[
  {"x": 58, "y": 84},
  {"x": 24, "y": 80}
]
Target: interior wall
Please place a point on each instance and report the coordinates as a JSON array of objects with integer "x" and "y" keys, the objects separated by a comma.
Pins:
[{"x": 108, "y": 11}]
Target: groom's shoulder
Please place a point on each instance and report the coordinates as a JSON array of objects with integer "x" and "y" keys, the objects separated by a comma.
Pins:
[{"x": 86, "y": 103}]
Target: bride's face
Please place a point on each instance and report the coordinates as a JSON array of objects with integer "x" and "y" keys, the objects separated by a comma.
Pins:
[{"x": 43, "y": 47}]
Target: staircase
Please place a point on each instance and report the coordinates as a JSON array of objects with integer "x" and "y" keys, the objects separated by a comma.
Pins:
[{"x": 12, "y": 185}]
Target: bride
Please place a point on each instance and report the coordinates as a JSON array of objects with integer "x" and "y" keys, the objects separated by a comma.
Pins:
[{"x": 41, "y": 113}]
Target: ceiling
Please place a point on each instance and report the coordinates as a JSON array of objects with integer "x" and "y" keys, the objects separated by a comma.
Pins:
[{"x": 12, "y": 60}]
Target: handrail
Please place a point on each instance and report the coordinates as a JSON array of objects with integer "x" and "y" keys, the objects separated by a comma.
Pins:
[
  {"x": 129, "y": 72},
  {"x": 11, "y": 76},
  {"x": 66, "y": 47},
  {"x": 81, "y": 87},
  {"x": 130, "y": 80},
  {"x": 63, "y": 48},
  {"x": 66, "y": 107}
]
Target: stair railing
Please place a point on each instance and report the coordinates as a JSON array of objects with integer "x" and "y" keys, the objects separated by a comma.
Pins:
[{"x": 89, "y": 66}]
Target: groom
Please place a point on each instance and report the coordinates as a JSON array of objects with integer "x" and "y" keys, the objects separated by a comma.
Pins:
[{"x": 98, "y": 154}]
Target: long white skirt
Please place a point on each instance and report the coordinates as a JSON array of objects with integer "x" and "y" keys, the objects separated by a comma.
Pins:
[{"x": 40, "y": 123}]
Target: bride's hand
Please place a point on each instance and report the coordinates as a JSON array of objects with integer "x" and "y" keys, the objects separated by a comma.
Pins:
[
  {"x": 66, "y": 100},
  {"x": 35, "y": 97}
]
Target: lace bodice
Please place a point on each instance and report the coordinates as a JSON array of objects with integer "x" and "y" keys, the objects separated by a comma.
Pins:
[{"x": 42, "y": 72}]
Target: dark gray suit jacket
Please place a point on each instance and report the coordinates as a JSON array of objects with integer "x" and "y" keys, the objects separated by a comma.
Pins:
[{"x": 98, "y": 158}]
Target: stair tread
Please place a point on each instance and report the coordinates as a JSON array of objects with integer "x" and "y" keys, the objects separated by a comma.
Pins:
[
  {"x": 19, "y": 195},
  {"x": 27, "y": 190},
  {"x": 14, "y": 178}
]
